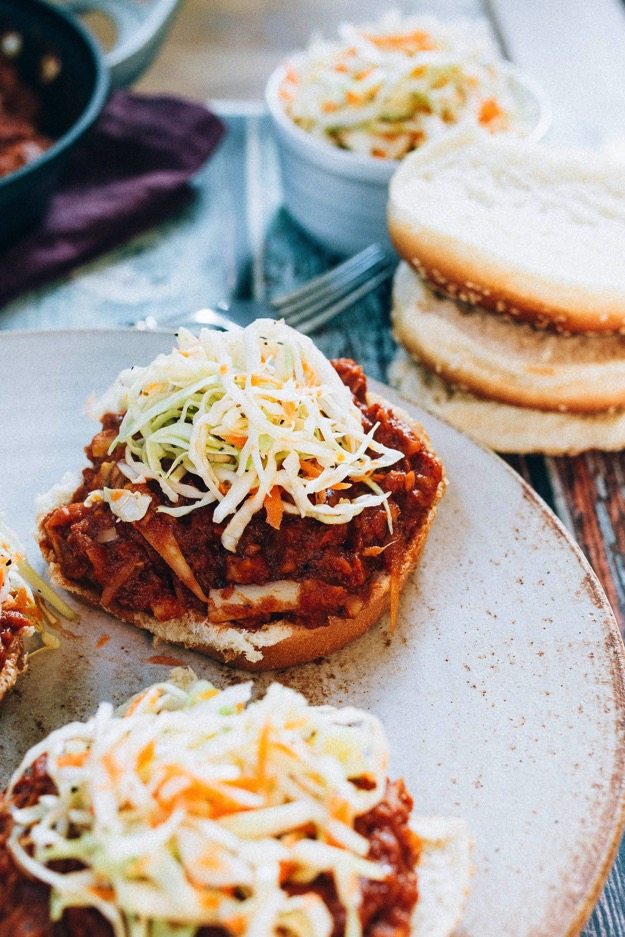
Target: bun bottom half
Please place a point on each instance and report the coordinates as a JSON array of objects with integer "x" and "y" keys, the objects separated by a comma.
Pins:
[
  {"x": 501, "y": 359},
  {"x": 504, "y": 427},
  {"x": 444, "y": 874},
  {"x": 278, "y": 644},
  {"x": 520, "y": 229}
]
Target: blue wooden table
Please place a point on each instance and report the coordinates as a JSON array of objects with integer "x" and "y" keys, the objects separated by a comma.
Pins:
[{"x": 235, "y": 239}]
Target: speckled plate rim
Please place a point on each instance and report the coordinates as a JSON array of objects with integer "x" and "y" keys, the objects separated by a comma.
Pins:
[
  {"x": 588, "y": 900},
  {"x": 608, "y": 838}
]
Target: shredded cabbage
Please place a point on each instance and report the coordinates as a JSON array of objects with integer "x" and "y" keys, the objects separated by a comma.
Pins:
[
  {"x": 238, "y": 419},
  {"x": 22, "y": 588},
  {"x": 13, "y": 587},
  {"x": 386, "y": 88},
  {"x": 192, "y": 806}
]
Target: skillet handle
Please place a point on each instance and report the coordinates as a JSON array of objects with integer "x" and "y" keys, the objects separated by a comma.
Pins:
[{"x": 140, "y": 28}]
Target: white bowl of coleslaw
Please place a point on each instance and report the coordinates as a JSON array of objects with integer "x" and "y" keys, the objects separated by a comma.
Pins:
[{"x": 346, "y": 112}]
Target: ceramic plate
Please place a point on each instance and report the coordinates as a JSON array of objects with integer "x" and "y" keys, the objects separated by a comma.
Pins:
[{"x": 502, "y": 690}]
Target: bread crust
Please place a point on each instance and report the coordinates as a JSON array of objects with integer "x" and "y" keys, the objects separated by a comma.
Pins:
[
  {"x": 279, "y": 644},
  {"x": 14, "y": 664},
  {"x": 444, "y": 874},
  {"x": 458, "y": 265},
  {"x": 500, "y": 359},
  {"x": 503, "y": 427},
  {"x": 477, "y": 278}
]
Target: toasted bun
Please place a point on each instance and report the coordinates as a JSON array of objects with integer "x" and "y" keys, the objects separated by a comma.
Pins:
[
  {"x": 14, "y": 664},
  {"x": 515, "y": 227},
  {"x": 504, "y": 427},
  {"x": 278, "y": 644},
  {"x": 444, "y": 873},
  {"x": 498, "y": 358}
]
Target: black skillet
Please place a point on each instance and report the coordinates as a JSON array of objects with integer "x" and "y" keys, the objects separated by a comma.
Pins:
[{"x": 62, "y": 62}]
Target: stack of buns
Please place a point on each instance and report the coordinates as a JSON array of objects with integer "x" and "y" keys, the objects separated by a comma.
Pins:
[{"x": 510, "y": 299}]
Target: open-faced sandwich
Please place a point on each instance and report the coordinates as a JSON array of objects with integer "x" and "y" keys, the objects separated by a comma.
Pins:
[
  {"x": 246, "y": 497},
  {"x": 22, "y": 610},
  {"x": 195, "y": 812}
]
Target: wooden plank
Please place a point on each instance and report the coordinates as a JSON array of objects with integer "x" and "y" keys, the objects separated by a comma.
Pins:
[
  {"x": 576, "y": 50},
  {"x": 594, "y": 488}
]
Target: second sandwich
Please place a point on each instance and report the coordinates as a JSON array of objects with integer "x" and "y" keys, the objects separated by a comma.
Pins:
[{"x": 246, "y": 497}]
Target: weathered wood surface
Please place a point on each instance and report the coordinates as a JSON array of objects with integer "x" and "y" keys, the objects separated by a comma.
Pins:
[{"x": 234, "y": 238}]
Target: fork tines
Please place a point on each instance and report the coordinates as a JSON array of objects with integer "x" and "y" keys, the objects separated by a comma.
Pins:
[{"x": 321, "y": 299}]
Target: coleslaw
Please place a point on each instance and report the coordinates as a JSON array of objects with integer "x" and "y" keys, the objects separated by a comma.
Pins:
[
  {"x": 386, "y": 88},
  {"x": 245, "y": 420},
  {"x": 15, "y": 592},
  {"x": 23, "y": 590},
  {"x": 193, "y": 806}
]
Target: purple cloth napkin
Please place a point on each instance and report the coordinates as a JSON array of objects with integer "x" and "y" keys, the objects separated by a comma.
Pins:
[{"x": 132, "y": 171}]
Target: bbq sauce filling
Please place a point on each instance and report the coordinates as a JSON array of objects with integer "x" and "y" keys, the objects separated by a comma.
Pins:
[
  {"x": 167, "y": 566},
  {"x": 385, "y": 911},
  {"x": 12, "y": 623}
]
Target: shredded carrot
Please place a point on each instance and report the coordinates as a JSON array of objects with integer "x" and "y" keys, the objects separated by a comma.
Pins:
[
  {"x": 72, "y": 759},
  {"x": 263, "y": 751},
  {"x": 101, "y": 891},
  {"x": 340, "y": 809},
  {"x": 209, "y": 694},
  {"x": 286, "y": 870},
  {"x": 311, "y": 374},
  {"x": 21, "y": 601},
  {"x": 200, "y": 798},
  {"x": 236, "y": 924},
  {"x": 418, "y": 41},
  {"x": 328, "y": 106},
  {"x": 235, "y": 439},
  {"x": 152, "y": 694},
  {"x": 274, "y": 507},
  {"x": 311, "y": 469},
  {"x": 145, "y": 756},
  {"x": 111, "y": 766},
  {"x": 489, "y": 110},
  {"x": 102, "y": 640},
  {"x": 353, "y": 98},
  {"x": 210, "y": 900}
]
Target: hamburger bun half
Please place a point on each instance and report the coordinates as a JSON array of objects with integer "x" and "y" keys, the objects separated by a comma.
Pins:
[
  {"x": 275, "y": 645},
  {"x": 519, "y": 229},
  {"x": 444, "y": 875},
  {"x": 500, "y": 359},
  {"x": 502, "y": 426}
]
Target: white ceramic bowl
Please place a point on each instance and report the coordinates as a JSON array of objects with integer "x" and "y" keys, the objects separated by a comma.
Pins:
[{"x": 339, "y": 197}]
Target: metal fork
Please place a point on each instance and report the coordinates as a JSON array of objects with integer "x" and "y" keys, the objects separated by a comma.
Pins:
[{"x": 306, "y": 308}]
